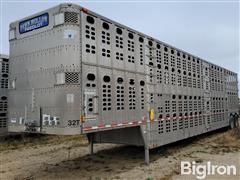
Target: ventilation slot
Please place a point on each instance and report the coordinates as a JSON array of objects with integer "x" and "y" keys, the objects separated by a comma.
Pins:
[
  {"x": 4, "y": 83},
  {"x": 3, "y": 106},
  {"x": 5, "y": 68},
  {"x": 71, "y": 17},
  {"x": 120, "y": 94},
  {"x": 168, "y": 124},
  {"x": 142, "y": 83},
  {"x": 3, "y": 122},
  {"x": 160, "y": 126},
  {"x": 180, "y": 121},
  {"x": 106, "y": 92},
  {"x": 72, "y": 78},
  {"x": 132, "y": 95}
]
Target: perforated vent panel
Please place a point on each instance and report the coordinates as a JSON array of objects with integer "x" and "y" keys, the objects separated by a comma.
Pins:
[
  {"x": 5, "y": 67},
  {"x": 4, "y": 83},
  {"x": 132, "y": 95},
  {"x": 4, "y": 70},
  {"x": 71, "y": 17},
  {"x": 3, "y": 122},
  {"x": 72, "y": 78},
  {"x": 3, "y": 106},
  {"x": 106, "y": 104},
  {"x": 120, "y": 97}
]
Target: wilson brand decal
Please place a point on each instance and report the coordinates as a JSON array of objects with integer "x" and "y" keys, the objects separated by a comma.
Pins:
[{"x": 34, "y": 23}]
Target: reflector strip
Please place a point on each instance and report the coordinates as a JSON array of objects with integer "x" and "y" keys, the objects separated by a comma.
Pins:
[{"x": 129, "y": 123}]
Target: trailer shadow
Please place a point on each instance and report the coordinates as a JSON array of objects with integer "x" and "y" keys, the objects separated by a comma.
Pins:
[
  {"x": 117, "y": 160},
  {"x": 102, "y": 163}
]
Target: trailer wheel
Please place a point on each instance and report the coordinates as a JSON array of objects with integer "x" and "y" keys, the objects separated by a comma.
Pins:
[
  {"x": 231, "y": 123},
  {"x": 236, "y": 123}
]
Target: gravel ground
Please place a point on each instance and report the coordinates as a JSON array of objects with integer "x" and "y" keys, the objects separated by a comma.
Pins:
[{"x": 66, "y": 157}]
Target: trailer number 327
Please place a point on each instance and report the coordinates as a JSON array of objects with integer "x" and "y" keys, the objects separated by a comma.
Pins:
[{"x": 73, "y": 122}]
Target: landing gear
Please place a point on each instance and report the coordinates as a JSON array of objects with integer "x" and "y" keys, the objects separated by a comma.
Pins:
[
  {"x": 91, "y": 144},
  {"x": 146, "y": 155}
]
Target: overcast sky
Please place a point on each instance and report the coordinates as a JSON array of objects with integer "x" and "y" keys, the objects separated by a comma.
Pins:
[{"x": 209, "y": 30}]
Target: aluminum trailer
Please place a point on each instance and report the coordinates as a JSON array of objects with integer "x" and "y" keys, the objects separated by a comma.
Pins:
[
  {"x": 4, "y": 69},
  {"x": 73, "y": 71}
]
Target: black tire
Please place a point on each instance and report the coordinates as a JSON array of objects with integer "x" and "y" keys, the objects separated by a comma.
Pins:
[
  {"x": 236, "y": 122},
  {"x": 231, "y": 123}
]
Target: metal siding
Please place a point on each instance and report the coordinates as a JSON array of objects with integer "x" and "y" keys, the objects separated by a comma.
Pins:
[
  {"x": 4, "y": 72},
  {"x": 168, "y": 75},
  {"x": 36, "y": 58}
]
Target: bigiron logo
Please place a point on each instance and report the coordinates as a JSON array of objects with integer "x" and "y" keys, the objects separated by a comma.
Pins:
[{"x": 203, "y": 170}]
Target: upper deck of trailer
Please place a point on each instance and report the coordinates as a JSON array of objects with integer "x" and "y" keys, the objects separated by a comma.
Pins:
[{"x": 57, "y": 9}]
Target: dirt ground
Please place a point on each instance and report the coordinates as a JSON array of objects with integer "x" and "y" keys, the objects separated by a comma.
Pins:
[{"x": 66, "y": 157}]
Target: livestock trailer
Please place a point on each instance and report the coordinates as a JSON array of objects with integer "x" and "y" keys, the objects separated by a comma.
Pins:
[
  {"x": 4, "y": 68},
  {"x": 73, "y": 71}
]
